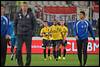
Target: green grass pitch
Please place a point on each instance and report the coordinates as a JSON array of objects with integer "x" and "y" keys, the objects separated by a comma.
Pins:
[{"x": 71, "y": 60}]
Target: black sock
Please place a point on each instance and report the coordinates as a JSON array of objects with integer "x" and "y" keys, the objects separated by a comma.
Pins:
[
  {"x": 48, "y": 52},
  {"x": 45, "y": 53},
  {"x": 64, "y": 52},
  {"x": 54, "y": 53},
  {"x": 59, "y": 52}
]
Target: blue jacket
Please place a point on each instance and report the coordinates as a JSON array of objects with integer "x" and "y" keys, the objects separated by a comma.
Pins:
[
  {"x": 4, "y": 26},
  {"x": 81, "y": 29}
]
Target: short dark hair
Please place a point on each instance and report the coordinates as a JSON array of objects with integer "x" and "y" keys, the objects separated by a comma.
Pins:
[
  {"x": 29, "y": 10},
  {"x": 2, "y": 6},
  {"x": 82, "y": 12},
  {"x": 24, "y": 2}
]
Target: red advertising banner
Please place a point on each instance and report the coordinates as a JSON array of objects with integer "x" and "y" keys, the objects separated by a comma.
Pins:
[
  {"x": 59, "y": 10},
  {"x": 71, "y": 48}
]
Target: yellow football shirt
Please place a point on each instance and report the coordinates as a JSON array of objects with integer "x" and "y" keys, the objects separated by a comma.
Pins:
[
  {"x": 55, "y": 31},
  {"x": 64, "y": 31},
  {"x": 45, "y": 32}
]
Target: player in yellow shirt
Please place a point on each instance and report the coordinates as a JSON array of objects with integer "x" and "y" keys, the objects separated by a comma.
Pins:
[
  {"x": 64, "y": 33},
  {"x": 46, "y": 38},
  {"x": 55, "y": 31}
]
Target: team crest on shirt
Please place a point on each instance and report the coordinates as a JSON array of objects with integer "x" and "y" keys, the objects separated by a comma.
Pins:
[
  {"x": 27, "y": 16},
  {"x": 83, "y": 26},
  {"x": 20, "y": 16}
]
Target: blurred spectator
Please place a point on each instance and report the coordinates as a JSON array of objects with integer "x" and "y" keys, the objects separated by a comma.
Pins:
[
  {"x": 38, "y": 11},
  {"x": 38, "y": 26}
]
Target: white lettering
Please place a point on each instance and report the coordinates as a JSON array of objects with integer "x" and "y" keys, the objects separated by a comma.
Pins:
[
  {"x": 89, "y": 48},
  {"x": 73, "y": 48},
  {"x": 68, "y": 43},
  {"x": 96, "y": 46}
]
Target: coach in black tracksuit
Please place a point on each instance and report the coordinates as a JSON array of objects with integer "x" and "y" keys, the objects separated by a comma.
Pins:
[{"x": 24, "y": 25}]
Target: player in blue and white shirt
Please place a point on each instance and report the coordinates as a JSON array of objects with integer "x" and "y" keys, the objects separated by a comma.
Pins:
[
  {"x": 81, "y": 29},
  {"x": 5, "y": 35}
]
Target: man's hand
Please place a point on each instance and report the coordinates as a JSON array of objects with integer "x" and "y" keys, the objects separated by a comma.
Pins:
[
  {"x": 76, "y": 37},
  {"x": 8, "y": 37},
  {"x": 42, "y": 34}
]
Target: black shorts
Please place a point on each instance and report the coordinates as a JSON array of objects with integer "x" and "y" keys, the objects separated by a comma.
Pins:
[
  {"x": 56, "y": 42},
  {"x": 46, "y": 42},
  {"x": 64, "y": 42},
  {"x": 60, "y": 42}
]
